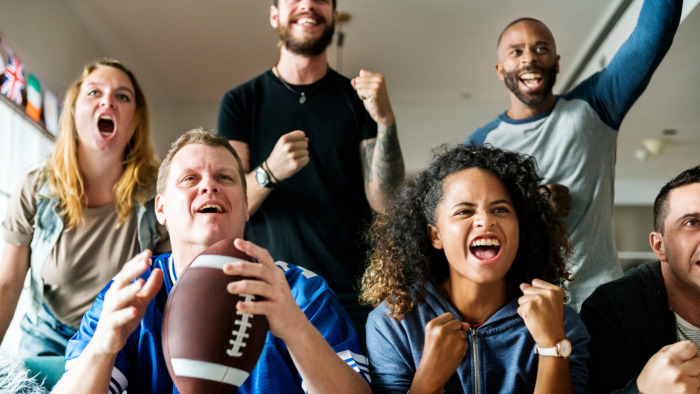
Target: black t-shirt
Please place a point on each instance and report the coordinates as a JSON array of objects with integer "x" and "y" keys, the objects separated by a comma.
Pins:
[{"x": 315, "y": 218}]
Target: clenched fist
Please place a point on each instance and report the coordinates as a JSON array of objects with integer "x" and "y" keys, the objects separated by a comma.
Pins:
[
  {"x": 289, "y": 155},
  {"x": 445, "y": 347},
  {"x": 371, "y": 88},
  {"x": 542, "y": 309},
  {"x": 674, "y": 369}
]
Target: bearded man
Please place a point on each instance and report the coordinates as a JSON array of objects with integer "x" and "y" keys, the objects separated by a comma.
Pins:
[
  {"x": 574, "y": 136},
  {"x": 307, "y": 137}
]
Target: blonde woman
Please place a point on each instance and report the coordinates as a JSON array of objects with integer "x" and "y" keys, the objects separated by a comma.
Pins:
[{"x": 75, "y": 221}]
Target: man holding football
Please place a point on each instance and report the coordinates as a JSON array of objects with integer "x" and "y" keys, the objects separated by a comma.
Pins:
[{"x": 313, "y": 346}]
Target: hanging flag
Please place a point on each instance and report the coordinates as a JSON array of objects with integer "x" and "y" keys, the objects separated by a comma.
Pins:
[
  {"x": 13, "y": 82},
  {"x": 51, "y": 112},
  {"x": 33, "y": 98}
]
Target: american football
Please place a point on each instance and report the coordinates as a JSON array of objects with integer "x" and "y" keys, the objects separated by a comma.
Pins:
[{"x": 209, "y": 346}]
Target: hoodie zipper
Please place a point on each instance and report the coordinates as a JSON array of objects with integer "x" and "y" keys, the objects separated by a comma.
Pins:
[{"x": 475, "y": 349}]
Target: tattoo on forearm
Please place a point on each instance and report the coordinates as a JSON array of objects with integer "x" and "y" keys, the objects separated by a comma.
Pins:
[
  {"x": 368, "y": 153},
  {"x": 389, "y": 165}
]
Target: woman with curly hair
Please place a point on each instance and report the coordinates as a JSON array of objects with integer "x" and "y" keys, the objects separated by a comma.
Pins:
[
  {"x": 465, "y": 274},
  {"x": 74, "y": 222}
]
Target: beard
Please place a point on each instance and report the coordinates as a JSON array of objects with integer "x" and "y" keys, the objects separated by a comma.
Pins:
[
  {"x": 531, "y": 99},
  {"x": 309, "y": 47}
]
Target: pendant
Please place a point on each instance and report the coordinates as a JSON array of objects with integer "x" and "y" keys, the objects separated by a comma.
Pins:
[{"x": 302, "y": 99}]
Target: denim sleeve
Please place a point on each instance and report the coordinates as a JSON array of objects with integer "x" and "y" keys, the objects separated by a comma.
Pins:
[
  {"x": 578, "y": 335},
  {"x": 613, "y": 91},
  {"x": 391, "y": 364}
]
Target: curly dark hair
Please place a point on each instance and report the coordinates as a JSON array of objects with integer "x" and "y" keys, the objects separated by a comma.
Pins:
[{"x": 402, "y": 257}]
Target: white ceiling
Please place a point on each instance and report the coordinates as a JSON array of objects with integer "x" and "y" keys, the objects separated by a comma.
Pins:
[
  {"x": 189, "y": 53},
  {"x": 430, "y": 51}
]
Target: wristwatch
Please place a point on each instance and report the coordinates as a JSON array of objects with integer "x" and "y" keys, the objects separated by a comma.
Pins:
[
  {"x": 561, "y": 349},
  {"x": 263, "y": 178}
]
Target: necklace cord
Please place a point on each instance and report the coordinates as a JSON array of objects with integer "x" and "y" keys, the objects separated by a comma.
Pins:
[{"x": 302, "y": 94}]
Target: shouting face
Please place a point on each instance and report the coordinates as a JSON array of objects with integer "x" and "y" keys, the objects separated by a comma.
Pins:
[
  {"x": 203, "y": 201},
  {"x": 104, "y": 111},
  {"x": 476, "y": 226},
  {"x": 527, "y": 62},
  {"x": 305, "y": 27}
]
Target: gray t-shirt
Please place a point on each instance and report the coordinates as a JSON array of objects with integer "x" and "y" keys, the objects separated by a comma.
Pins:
[
  {"x": 84, "y": 258},
  {"x": 687, "y": 331}
]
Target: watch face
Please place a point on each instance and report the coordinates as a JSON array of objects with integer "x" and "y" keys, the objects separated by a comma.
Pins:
[
  {"x": 564, "y": 348},
  {"x": 261, "y": 177}
]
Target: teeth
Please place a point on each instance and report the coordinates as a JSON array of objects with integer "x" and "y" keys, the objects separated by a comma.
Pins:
[
  {"x": 217, "y": 206},
  {"x": 106, "y": 117},
  {"x": 485, "y": 242},
  {"x": 530, "y": 76},
  {"x": 306, "y": 21}
]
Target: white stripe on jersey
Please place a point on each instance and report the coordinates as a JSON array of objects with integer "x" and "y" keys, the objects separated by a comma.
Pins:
[
  {"x": 70, "y": 363},
  {"x": 171, "y": 269},
  {"x": 357, "y": 362},
  {"x": 119, "y": 383}
]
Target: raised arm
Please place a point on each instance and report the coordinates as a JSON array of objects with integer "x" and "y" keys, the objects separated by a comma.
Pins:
[
  {"x": 613, "y": 91},
  {"x": 382, "y": 161}
]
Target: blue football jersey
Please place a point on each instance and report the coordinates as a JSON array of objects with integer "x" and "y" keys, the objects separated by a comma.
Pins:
[{"x": 141, "y": 367}]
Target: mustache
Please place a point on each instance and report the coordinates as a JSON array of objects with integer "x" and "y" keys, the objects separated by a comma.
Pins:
[
  {"x": 529, "y": 69},
  {"x": 321, "y": 19}
]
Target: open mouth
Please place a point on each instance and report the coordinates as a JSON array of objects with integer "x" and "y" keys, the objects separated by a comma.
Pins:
[
  {"x": 106, "y": 125},
  {"x": 485, "y": 248},
  {"x": 307, "y": 21},
  {"x": 531, "y": 80},
  {"x": 211, "y": 208}
]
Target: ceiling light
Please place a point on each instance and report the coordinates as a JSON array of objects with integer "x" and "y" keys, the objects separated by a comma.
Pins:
[
  {"x": 655, "y": 146},
  {"x": 641, "y": 155}
]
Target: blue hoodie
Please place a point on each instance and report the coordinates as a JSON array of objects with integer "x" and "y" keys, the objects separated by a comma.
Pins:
[{"x": 500, "y": 359}]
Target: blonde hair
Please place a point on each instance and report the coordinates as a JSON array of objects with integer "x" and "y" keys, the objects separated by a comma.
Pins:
[
  {"x": 140, "y": 164},
  {"x": 197, "y": 136}
]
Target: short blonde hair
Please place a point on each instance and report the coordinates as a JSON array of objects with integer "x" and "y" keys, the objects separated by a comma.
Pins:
[{"x": 196, "y": 136}]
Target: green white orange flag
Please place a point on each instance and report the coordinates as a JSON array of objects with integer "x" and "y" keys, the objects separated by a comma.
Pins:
[{"x": 33, "y": 98}]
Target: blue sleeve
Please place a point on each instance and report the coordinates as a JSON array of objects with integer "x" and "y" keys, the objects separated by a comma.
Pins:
[
  {"x": 478, "y": 137},
  {"x": 392, "y": 368},
  {"x": 578, "y": 335},
  {"x": 123, "y": 368},
  {"x": 613, "y": 91},
  {"x": 322, "y": 308}
]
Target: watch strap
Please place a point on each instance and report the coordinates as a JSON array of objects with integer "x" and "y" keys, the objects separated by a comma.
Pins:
[{"x": 547, "y": 351}]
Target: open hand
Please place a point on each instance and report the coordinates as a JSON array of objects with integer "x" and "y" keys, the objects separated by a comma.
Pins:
[
  {"x": 125, "y": 304},
  {"x": 371, "y": 88},
  {"x": 283, "y": 314}
]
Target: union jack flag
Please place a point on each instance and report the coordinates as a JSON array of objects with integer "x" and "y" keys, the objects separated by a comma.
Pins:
[{"x": 13, "y": 83}]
